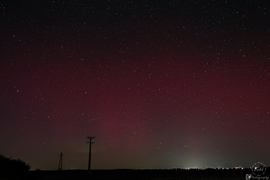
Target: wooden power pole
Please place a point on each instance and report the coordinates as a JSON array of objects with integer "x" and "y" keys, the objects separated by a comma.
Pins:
[
  {"x": 60, "y": 162},
  {"x": 89, "y": 160}
]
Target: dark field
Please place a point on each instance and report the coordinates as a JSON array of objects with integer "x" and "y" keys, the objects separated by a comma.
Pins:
[{"x": 174, "y": 174}]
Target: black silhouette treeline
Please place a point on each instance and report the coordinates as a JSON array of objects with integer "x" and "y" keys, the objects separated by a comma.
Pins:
[{"x": 12, "y": 167}]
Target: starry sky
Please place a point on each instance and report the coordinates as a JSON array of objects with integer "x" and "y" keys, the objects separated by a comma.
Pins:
[{"x": 160, "y": 84}]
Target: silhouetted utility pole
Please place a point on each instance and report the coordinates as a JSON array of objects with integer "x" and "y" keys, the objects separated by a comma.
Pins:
[
  {"x": 89, "y": 161},
  {"x": 60, "y": 162}
]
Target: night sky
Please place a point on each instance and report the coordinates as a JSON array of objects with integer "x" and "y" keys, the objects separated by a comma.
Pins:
[{"x": 160, "y": 84}]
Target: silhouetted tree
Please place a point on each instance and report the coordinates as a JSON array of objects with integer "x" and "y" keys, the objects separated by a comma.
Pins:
[{"x": 12, "y": 167}]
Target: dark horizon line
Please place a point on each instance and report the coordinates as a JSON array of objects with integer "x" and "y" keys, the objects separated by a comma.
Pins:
[{"x": 202, "y": 168}]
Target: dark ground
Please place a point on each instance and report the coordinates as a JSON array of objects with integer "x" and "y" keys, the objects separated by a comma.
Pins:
[{"x": 173, "y": 174}]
